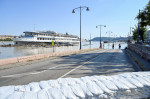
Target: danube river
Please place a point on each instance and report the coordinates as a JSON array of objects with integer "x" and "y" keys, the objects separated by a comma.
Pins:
[{"x": 10, "y": 52}]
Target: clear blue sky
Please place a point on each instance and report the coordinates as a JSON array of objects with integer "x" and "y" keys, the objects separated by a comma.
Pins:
[{"x": 17, "y": 16}]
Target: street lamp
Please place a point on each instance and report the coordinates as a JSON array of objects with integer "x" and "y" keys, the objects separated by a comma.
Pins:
[
  {"x": 129, "y": 34},
  {"x": 114, "y": 38},
  {"x": 73, "y": 11},
  {"x": 109, "y": 34},
  {"x": 131, "y": 30},
  {"x": 100, "y": 34},
  {"x": 90, "y": 40}
]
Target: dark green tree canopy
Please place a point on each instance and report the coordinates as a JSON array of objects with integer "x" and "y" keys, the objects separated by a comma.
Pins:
[
  {"x": 142, "y": 31},
  {"x": 144, "y": 16},
  {"x": 144, "y": 21}
]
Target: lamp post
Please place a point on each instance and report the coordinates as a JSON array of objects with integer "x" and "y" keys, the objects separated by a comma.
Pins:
[
  {"x": 90, "y": 40},
  {"x": 73, "y": 11},
  {"x": 115, "y": 38},
  {"x": 131, "y": 30},
  {"x": 129, "y": 34},
  {"x": 100, "y": 34},
  {"x": 109, "y": 34}
]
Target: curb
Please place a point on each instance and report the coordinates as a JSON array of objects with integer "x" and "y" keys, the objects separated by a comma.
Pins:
[{"x": 41, "y": 56}]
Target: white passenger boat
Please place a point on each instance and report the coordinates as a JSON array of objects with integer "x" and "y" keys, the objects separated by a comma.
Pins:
[{"x": 40, "y": 37}]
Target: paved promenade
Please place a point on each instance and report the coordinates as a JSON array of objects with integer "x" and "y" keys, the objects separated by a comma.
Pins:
[{"x": 97, "y": 62}]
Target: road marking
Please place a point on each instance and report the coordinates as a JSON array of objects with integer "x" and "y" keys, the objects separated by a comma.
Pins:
[
  {"x": 78, "y": 67},
  {"x": 70, "y": 71},
  {"x": 29, "y": 73},
  {"x": 34, "y": 73}
]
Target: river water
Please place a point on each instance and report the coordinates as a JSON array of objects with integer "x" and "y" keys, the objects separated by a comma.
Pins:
[{"x": 10, "y": 52}]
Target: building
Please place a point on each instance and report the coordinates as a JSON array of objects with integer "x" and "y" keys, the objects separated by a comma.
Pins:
[{"x": 6, "y": 36}]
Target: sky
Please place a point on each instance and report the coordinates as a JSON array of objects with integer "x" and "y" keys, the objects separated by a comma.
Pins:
[{"x": 17, "y": 16}]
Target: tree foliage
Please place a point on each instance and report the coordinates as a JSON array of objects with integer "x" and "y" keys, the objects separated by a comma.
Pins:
[
  {"x": 142, "y": 31},
  {"x": 144, "y": 21},
  {"x": 7, "y": 39},
  {"x": 144, "y": 16}
]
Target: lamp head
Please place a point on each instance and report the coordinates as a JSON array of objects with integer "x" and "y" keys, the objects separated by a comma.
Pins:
[
  {"x": 73, "y": 11},
  {"x": 104, "y": 25},
  {"x": 96, "y": 26},
  {"x": 87, "y": 9}
]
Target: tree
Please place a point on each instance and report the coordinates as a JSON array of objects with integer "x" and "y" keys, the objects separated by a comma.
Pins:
[
  {"x": 8, "y": 39},
  {"x": 142, "y": 31},
  {"x": 144, "y": 16},
  {"x": 144, "y": 21}
]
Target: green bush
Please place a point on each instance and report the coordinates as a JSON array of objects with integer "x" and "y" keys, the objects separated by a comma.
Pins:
[{"x": 7, "y": 39}]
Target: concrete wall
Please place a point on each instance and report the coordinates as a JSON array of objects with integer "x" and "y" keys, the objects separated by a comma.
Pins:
[
  {"x": 133, "y": 85},
  {"x": 40, "y": 56},
  {"x": 143, "y": 51}
]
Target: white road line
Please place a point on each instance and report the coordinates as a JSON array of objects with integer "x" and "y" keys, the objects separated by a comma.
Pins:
[
  {"x": 70, "y": 71},
  {"x": 29, "y": 73},
  {"x": 77, "y": 67},
  {"x": 33, "y": 73}
]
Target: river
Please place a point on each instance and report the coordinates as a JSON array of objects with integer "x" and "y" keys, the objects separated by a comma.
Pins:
[{"x": 10, "y": 52}]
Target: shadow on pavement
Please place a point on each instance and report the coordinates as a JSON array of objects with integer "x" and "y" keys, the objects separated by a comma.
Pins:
[{"x": 107, "y": 63}]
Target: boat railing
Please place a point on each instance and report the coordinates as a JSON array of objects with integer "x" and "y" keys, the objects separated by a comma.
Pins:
[{"x": 26, "y": 36}]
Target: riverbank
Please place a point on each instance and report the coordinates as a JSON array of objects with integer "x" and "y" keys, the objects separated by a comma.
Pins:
[
  {"x": 42, "y": 45},
  {"x": 20, "y": 51},
  {"x": 41, "y": 56}
]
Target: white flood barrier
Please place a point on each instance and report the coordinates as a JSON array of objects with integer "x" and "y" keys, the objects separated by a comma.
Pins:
[{"x": 133, "y": 85}]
